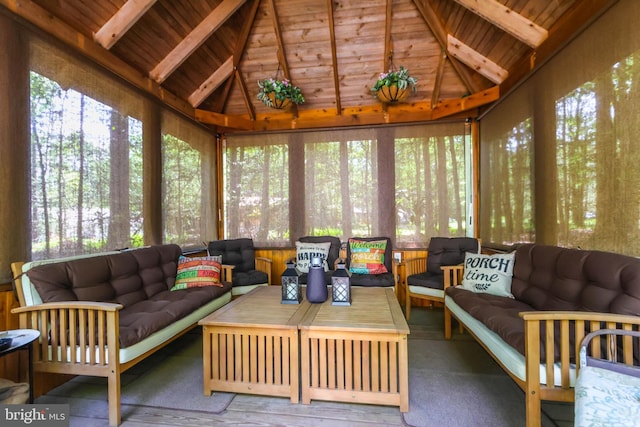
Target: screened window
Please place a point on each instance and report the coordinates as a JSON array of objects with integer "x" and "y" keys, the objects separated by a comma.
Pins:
[
  {"x": 357, "y": 182},
  {"x": 188, "y": 170},
  {"x": 570, "y": 135},
  {"x": 86, "y": 180},
  {"x": 88, "y": 168}
]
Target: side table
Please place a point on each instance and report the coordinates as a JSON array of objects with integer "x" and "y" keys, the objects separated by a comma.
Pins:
[{"x": 22, "y": 339}]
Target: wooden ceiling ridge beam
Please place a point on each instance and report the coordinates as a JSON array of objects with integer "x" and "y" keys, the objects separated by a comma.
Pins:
[
  {"x": 436, "y": 26},
  {"x": 334, "y": 57},
  {"x": 34, "y": 14},
  {"x": 195, "y": 39},
  {"x": 354, "y": 116},
  {"x": 121, "y": 22},
  {"x": 221, "y": 100},
  {"x": 476, "y": 61},
  {"x": 282, "y": 55},
  {"x": 508, "y": 20}
]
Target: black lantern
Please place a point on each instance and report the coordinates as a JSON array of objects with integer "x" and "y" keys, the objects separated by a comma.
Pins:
[
  {"x": 291, "y": 284},
  {"x": 341, "y": 288}
]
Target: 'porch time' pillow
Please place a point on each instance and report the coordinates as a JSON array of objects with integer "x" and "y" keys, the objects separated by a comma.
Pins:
[
  {"x": 367, "y": 257},
  {"x": 197, "y": 272},
  {"x": 489, "y": 274},
  {"x": 306, "y": 251}
]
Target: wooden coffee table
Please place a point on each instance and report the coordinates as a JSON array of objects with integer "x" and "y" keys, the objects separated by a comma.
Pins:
[
  {"x": 358, "y": 353},
  {"x": 251, "y": 345}
]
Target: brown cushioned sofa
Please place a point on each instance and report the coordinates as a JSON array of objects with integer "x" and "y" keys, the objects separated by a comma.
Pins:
[
  {"x": 560, "y": 295},
  {"x": 101, "y": 314}
]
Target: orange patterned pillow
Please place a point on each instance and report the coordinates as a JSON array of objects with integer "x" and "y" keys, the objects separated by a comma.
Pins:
[{"x": 197, "y": 272}]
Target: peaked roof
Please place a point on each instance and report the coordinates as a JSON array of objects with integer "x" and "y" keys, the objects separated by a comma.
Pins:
[{"x": 204, "y": 57}]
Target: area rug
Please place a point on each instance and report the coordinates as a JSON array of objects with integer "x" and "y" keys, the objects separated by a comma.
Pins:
[
  {"x": 457, "y": 384},
  {"x": 171, "y": 378}
]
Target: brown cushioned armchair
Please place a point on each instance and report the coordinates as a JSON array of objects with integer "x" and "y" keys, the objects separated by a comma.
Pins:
[
  {"x": 424, "y": 278},
  {"x": 240, "y": 266}
]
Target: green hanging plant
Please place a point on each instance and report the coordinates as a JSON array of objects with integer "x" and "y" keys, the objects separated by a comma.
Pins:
[{"x": 278, "y": 93}]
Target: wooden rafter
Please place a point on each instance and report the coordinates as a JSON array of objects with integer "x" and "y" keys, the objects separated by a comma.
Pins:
[
  {"x": 36, "y": 15},
  {"x": 435, "y": 94},
  {"x": 121, "y": 22},
  {"x": 388, "y": 47},
  {"x": 282, "y": 55},
  {"x": 195, "y": 39},
  {"x": 578, "y": 15},
  {"x": 440, "y": 33},
  {"x": 334, "y": 57},
  {"x": 511, "y": 22},
  {"x": 238, "y": 53},
  {"x": 476, "y": 61},
  {"x": 212, "y": 83},
  {"x": 245, "y": 95}
]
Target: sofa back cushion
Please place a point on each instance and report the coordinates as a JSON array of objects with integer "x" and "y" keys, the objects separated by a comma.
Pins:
[
  {"x": 237, "y": 252},
  {"x": 449, "y": 251},
  {"x": 554, "y": 278},
  {"x": 125, "y": 278}
]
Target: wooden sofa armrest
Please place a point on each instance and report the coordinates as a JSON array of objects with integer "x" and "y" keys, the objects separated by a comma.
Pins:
[
  {"x": 573, "y": 326},
  {"x": 227, "y": 273},
  {"x": 264, "y": 264},
  {"x": 74, "y": 333},
  {"x": 452, "y": 275}
]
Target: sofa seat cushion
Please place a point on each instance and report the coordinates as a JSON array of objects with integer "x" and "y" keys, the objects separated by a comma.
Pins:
[
  {"x": 427, "y": 280},
  {"x": 374, "y": 280},
  {"x": 500, "y": 314},
  {"x": 253, "y": 277},
  {"x": 143, "y": 318}
]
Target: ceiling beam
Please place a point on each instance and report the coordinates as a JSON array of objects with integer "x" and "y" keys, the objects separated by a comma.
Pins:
[
  {"x": 238, "y": 53},
  {"x": 476, "y": 61},
  {"x": 355, "y": 116},
  {"x": 435, "y": 93},
  {"x": 42, "y": 19},
  {"x": 121, "y": 22},
  {"x": 334, "y": 57},
  {"x": 440, "y": 33},
  {"x": 245, "y": 95},
  {"x": 506, "y": 19},
  {"x": 579, "y": 15},
  {"x": 451, "y": 107},
  {"x": 212, "y": 83},
  {"x": 282, "y": 55},
  {"x": 195, "y": 39}
]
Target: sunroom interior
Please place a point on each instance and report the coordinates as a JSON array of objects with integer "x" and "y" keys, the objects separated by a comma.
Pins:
[{"x": 125, "y": 124}]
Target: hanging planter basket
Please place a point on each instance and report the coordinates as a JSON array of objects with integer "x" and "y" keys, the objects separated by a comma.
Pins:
[
  {"x": 393, "y": 93},
  {"x": 394, "y": 86},
  {"x": 278, "y": 104}
]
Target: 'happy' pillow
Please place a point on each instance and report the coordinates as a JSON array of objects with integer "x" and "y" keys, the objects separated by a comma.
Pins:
[
  {"x": 489, "y": 274},
  {"x": 367, "y": 257},
  {"x": 197, "y": 272},
  {"x": 306, "y": 251}
]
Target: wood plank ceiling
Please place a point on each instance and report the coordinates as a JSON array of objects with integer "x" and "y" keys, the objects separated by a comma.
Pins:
[{"x": 204, "y": 57}]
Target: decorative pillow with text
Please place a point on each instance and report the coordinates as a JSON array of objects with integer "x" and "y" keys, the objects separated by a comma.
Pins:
[
  {"x": 197, "y": 272},
  {"x": 305, "y": 252},
  {"x": 490, "y": 274},
  {"x": 367, "y": 257}
]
